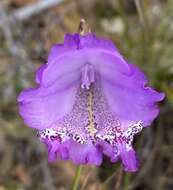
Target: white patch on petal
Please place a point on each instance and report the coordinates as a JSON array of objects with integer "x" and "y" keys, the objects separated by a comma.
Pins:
[
  {"x": 48, "y": 134},
  {"x": 53, "y": 134},
  {"x": 78, "y": 139},
  {"x": 117, "y": 134},
  {"x": 130, "y": 132}
]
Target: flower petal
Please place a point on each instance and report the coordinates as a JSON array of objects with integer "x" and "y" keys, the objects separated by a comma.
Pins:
[
  {"x": 39, "y": 73},
  {"x": 71, "y": 42},
  {"x": 128, "y": 158},
  {"x": 108, "y": 150},
  {"x": 127, "y": 95},
  {"x": 56, "y": 149},
  {"x": 68, "y": 67},
  {"x": 90, "y": 41},
  {"x": 84, "y": 154},
  {"x": 73, "y": 54},
  {"x": 42, "y": 107},
  {"x": 78, "y": 153}
]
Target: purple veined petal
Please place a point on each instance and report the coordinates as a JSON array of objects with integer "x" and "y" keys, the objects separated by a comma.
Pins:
[
  {"x": 39, "y": 73},
  {"x": 90, "y": 41},
  {"x": 108, "y": 150},
  {"x": 69, "y": 65},
  {"x": 128, "y": 158},
  {"x": 74, "y": 54},
  {"x": 75, "y": 63},
  {"x": 84, "y": 154},
  {"x": 71, "y": 42},
  {"x": 40, "y": 110},
  {"x": 127, "y": 94},
  {"x": 43, "y": 106},
  {"x": 115, "y": 66},
  {"x": 79, "y": 154},
  {"x": 57, "y": 150},
  {"x": 75, "y": 42}
]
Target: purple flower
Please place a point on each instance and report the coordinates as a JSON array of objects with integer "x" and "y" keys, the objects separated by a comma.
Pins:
[{"x": 89, "y": 102}]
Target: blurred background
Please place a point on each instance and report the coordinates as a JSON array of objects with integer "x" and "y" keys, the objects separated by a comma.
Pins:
[{"x": 142, "y": 30}]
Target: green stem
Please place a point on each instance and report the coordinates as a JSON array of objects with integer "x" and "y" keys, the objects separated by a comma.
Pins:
[
  {"x": 77, "y": 177},
  {"x": 127, "y": 179}
]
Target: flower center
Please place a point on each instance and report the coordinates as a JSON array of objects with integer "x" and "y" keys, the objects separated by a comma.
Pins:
[{"x": 91, "y": 120}]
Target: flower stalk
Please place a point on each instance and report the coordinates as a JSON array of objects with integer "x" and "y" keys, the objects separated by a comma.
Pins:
[{"x": 77, "y": 178}]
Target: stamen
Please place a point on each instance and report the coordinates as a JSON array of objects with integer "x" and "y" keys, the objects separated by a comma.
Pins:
[{"x": 87, "y": 76}]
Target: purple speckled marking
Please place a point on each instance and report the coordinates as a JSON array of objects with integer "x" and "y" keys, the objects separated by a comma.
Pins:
[{"x": 76, "y": 124}]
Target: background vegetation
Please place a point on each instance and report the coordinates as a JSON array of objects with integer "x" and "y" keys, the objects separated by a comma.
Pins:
[{"x": 142, "y": 30}]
